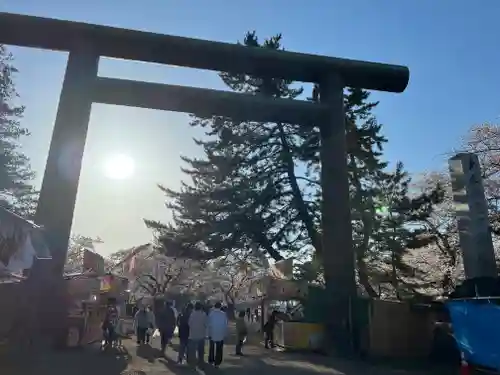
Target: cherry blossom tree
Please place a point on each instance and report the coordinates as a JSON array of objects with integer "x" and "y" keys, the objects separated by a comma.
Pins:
[
  {"x": 161, "y": 275},
  {"x": 440, "y": 262},
  {"x": 232, "y": 279},
  {"x": 151, "y": 273}
]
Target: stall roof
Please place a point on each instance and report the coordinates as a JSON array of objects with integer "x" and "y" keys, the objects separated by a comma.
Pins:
[
  {"x": 82, "y": 275},
  {"x": 16, "y": 219},
  {"x": 36, "y": 231},
  {"x": 90, "y": 274},
  {"x": 21, "y": 241}
]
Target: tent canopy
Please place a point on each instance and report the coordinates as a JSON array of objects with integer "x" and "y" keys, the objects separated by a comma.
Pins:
[{"x": 21, "y": 241}]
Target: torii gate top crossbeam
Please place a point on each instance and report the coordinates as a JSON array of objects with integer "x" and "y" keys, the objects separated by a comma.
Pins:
[{"x": 52, "y": 34}]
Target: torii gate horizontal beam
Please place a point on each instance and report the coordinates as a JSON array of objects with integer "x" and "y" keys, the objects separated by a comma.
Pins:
[
  {"x": 53, "y": 34},
  {"x": 207, "y": 102}
]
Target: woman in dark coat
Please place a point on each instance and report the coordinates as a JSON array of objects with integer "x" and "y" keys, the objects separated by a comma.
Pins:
[
  {"x": 269, "y": 330},
  {"x": 183, "y": 324},
  {"x": 166, "y": 322}
]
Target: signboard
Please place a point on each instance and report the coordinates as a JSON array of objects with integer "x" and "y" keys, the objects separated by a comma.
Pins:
[
  {"x": 114, "y": 284},
  {"x": 82, "y": 286},
  {"x": 281, "y": 289},
  {"x": 92, "y": 262}
]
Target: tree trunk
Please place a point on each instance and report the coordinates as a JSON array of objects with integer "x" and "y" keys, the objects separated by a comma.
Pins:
[
  {"x": 298, "y": 200},
  {"x": 394, "y": 276},
  {"x": 273, "y": 253}
]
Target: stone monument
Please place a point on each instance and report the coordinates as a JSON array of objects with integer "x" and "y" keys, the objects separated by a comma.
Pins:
[{"x": 472, "y": 216}]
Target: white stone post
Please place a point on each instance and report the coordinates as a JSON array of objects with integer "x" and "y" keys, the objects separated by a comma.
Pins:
[{"x": 472, "y": 216}]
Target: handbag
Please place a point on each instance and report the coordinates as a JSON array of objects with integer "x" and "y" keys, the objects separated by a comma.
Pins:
[{"x": 156, "y": 333}]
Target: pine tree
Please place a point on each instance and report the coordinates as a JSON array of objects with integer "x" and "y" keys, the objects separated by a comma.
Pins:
[
  {"x": 246, "y": 193},
  {"x": 258, "y": 185},
  {"x": 249, "y": 190},
  {"x": 400, "y": 225},
  {"x": 16, "y": 190}
]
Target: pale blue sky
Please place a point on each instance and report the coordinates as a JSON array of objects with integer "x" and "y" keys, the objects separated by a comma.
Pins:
[{"x": 451, "y": 47}]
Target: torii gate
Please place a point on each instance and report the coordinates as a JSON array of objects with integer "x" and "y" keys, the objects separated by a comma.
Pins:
[{"x": 82, "y": 86}]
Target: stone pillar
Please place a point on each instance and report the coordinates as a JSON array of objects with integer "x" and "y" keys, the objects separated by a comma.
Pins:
[{"x": 472, "y": 216}]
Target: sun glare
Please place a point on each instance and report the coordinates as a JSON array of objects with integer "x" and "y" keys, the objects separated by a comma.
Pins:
[{"x": 119, "y": 167}]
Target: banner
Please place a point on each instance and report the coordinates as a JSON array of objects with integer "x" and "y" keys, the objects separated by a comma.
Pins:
[{"x": 106, "y": 283}]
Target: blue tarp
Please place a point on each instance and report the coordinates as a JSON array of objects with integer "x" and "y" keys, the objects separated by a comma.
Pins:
[{"x": 476, "y": 327}]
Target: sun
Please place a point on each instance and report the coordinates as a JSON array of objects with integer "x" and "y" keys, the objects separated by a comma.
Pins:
[{"x": 119, "y": 167}]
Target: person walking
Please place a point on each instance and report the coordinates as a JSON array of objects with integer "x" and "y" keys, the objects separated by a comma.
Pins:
[
  {"x": 183, "y": 324},
  {"x": 151, "y": 328},
  {"x": 110, "y": 322},
  {"x": 217, "y": 330},
  {"x": 143, "y": 321},
  {"x": 269, "y": 330},
  {"x": 207, "y": 307},
  {"x": 176, "y": 313},
  {"x": 166, "y": 322},
  {"x": 197, "y": 333},
  {"x": 249, "y": 314},
  {"x": 241, "y": 332}
]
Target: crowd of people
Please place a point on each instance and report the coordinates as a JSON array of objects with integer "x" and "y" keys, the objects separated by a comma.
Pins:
[{"x": 195, "y": 324}]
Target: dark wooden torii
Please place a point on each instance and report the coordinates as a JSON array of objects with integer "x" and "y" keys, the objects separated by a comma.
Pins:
[{"x": 82, "y": 86}]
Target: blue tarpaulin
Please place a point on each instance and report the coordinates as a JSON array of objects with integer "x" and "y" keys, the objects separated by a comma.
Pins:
[{"x": 476, "y": 327}]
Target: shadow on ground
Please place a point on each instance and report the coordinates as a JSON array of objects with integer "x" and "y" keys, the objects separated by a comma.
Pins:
[
  {"x": 315, "y": 363},
  {"x": 148, "y": 360},
  {"x": 90, "y": 360},
  {"x": 262, "y": 362},
  {"x": 148, "y": 352}
]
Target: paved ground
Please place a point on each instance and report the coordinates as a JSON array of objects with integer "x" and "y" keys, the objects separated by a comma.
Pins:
[{"x": 134, "y": 360}]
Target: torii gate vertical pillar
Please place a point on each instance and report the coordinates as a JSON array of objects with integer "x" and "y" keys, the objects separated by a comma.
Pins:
[
  {"x": 336, "y": 216},
  {"x": 472, "y": 216},
  {"x": 62, "y": 173},
  {"x": 60, "y": 181}
]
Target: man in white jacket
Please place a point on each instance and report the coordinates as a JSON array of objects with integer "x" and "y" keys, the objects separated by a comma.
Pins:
[
  {"x": 197, "y": 333},
  {"x": 217, "y": 330}
]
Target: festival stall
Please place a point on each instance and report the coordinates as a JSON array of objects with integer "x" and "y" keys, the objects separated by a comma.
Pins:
[
  {"x": 88, "y": 295},
  {"x": 113, "y": 287},
  {"x": 83, "y": 308},
  {"x": 296, "y": 329},
  {"x": 23, "y": 257}
]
